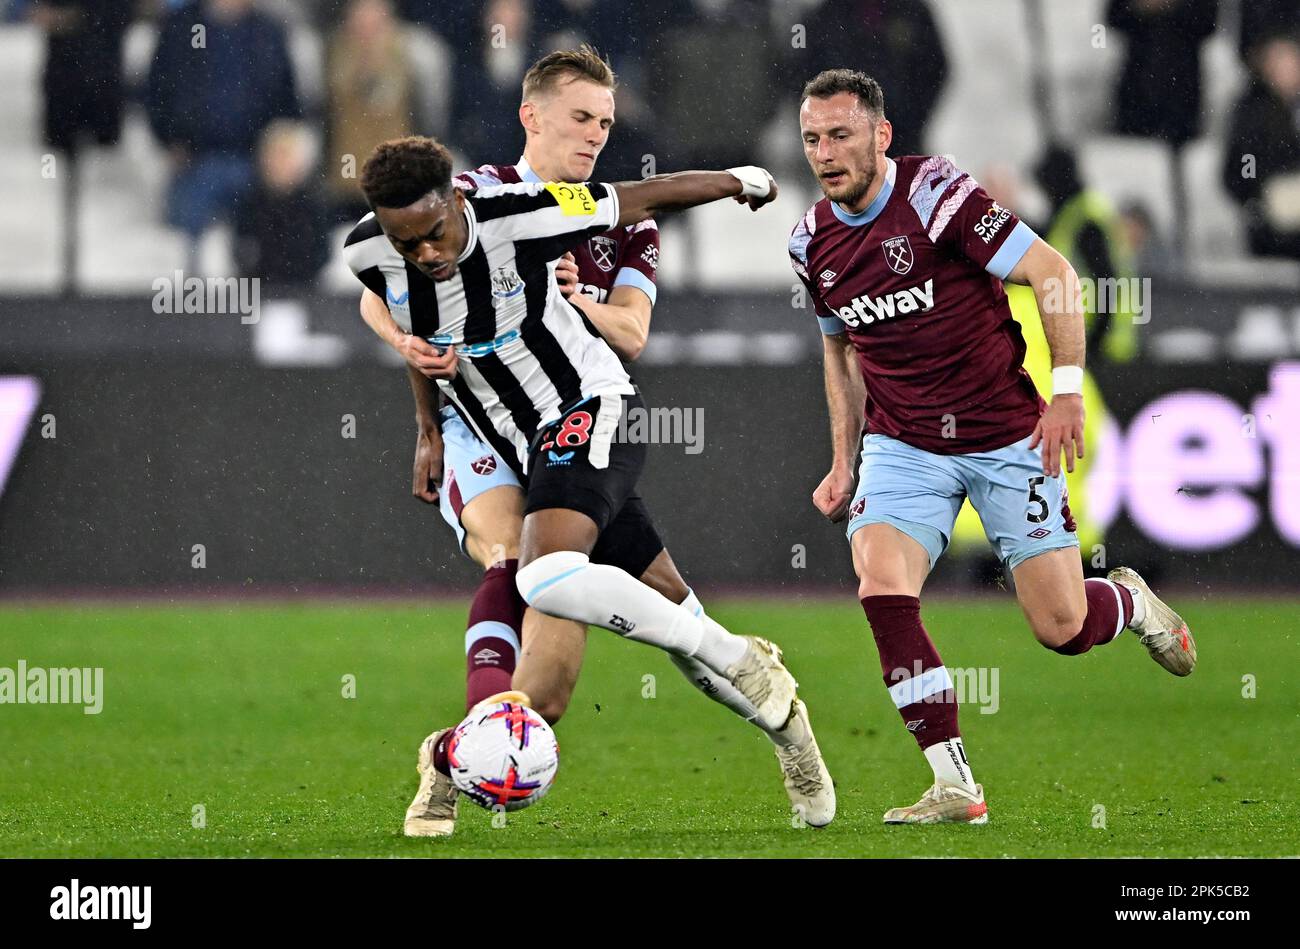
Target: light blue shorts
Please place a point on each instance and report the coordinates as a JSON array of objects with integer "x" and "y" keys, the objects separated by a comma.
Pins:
[
  {"x": 469, "y": 468},
  {"x": 1025, "y": 513}
]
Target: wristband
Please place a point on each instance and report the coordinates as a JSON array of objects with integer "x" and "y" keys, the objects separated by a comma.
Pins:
[
  {"x": 755, "y": 182},
  {"x": 1067, "y": 380}
]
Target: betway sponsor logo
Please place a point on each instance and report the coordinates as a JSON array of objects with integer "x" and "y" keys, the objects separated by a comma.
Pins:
[{"x": 867, "y": 309}]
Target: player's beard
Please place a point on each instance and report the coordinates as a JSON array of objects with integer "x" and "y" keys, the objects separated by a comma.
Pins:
[{"x": 859, "y": 190}]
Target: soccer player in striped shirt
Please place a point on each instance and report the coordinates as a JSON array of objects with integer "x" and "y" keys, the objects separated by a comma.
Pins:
[
  {"x": 904, "y": 261},
  {"x": 474, "y": 270}
]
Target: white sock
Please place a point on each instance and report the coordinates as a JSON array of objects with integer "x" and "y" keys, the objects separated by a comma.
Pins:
[
  {"x": 722, "y": 691},
  {"x": 566, "y": 584},
  {"x": 948, "y": 761},
  {"x": 1139, "y": 607}
]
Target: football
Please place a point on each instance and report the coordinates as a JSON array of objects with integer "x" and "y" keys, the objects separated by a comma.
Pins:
[{"x": 503, "y": 756}]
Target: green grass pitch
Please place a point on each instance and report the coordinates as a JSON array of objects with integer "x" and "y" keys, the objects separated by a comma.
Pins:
[{"x": 240, "y": 709}]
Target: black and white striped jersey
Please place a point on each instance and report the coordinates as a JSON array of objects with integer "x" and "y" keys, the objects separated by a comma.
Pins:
[{"x": 525, "y": 355}]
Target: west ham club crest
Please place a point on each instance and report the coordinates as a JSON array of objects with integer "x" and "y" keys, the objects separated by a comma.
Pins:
[
  {"x": 898, "y": 254},
  {"x": 603, "y": 251}
]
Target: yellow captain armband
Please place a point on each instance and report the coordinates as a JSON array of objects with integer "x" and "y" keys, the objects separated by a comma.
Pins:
[{"x": 574, "y": 200}]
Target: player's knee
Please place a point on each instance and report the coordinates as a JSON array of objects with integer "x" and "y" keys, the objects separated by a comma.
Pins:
[
  {"x": 492, "y": 547},
  {"x": 879, "y": 583},
  {"x": 1055, "y": 626},
  {"x": 540, "y": 577}
]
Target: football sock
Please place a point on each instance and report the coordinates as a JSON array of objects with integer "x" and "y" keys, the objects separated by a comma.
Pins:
[
  {"x": 722, "y": 691},
  {"x": 567, "y": 584},
  {"x": 1110, "y": 609},
  {"x": 439, "y": 756},
  {"x": 948, "y": 762},
  {"x": 1139, "y": 603},
  {"x": 914, "y": 674},
  {"x": 492, "y": 640}
]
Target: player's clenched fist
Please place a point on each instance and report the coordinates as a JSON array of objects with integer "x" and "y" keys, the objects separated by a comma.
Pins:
[
  {"x": 427, "y": 475},
  {"x": 433, "y": 364},
  {"x": 566, "y": 274},
  {"x": 757, "y": 185},
  {"x": 1060, "y": 429},
  {"x": 833, "y": 495}
]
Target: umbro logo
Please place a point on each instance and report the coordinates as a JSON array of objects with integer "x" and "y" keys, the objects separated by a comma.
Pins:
[
  {"x": 828, "y": 277},
  {"x": 915, "y": 724},
  {"x": 1039, "y": 533},
  {"x": 487, "y": 656}
]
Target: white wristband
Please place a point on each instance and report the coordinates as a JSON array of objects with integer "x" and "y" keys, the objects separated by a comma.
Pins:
[
  {"x": 1067, "y": 380},
  {"x": 755, "y": 182}
]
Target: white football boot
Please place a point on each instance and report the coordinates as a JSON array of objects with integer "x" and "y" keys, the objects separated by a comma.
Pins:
[
  {"x": 1162, "y": 631},
  {"x": 433, "y": 812},
  {"x": 807, "y": 781},
  {"x": 762, "y": 677},
  {"x": 943, "y": 804}
]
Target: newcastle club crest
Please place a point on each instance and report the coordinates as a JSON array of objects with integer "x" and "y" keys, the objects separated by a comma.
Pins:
[
  {"x": 603, "y": 252},
  {"x": 898, "y": 254}
]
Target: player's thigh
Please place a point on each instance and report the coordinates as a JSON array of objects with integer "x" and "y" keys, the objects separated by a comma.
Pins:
[
  {"x": 1025, "y": 512},
  {"x": 632, "y": 543},
  {"x": 1050, "y": 589},
  {"x": 901, "y": 517},
  {"x": 485, "y": 518},
  {"x": 549, "y": 662},
  {"x": 493, "y": 522},
  {"x": 579, "y": 477}
]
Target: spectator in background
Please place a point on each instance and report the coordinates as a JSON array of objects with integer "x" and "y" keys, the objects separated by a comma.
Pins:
[
  {"x": 1159, "y": 91},
  {"x": 82, "y": 83},
  {"x": 1152, "y": 255},
  {"x": 281, "y": 222},
  {"x": 898, "y": 41},
  {"x": 1263, "y": 20},
  {"x": 371, "y": 97},
  {"x": 220, "y": 74},
  {"x": 1262, "y": 166},
  {"x": 490, "y": 74},
  {"x": 1086, "y": 231}
]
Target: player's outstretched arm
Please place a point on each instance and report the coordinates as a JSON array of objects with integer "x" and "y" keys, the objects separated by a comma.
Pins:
[
  {"x": 638, "y": 200},
  {"x": 845, "y": 397},
  {"x": 1060, "y": 306}
]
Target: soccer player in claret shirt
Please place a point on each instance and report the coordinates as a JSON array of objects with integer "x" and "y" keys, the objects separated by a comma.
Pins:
[{"x": 904, "y": 261}]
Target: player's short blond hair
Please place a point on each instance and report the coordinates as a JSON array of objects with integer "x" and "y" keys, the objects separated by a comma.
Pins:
[{"x": 567, "y": 64}]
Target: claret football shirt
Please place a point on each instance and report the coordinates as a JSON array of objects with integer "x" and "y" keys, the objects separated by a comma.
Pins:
[{"x": 915, "y": 280}]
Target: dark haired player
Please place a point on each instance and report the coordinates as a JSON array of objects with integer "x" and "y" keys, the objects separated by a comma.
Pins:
[
  {"x": 904, "y": 261},
  {"x": 475, "y": 269}
]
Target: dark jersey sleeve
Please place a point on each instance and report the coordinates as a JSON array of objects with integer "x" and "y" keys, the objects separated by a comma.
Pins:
[
  {"x": 800, "y": 238},
  {"x": 639, "y": 265},
  {"x": 969, "y": 224}
]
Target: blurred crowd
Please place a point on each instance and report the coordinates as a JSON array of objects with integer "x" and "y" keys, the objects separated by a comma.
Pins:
[{"x": 224, "y": 95}]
